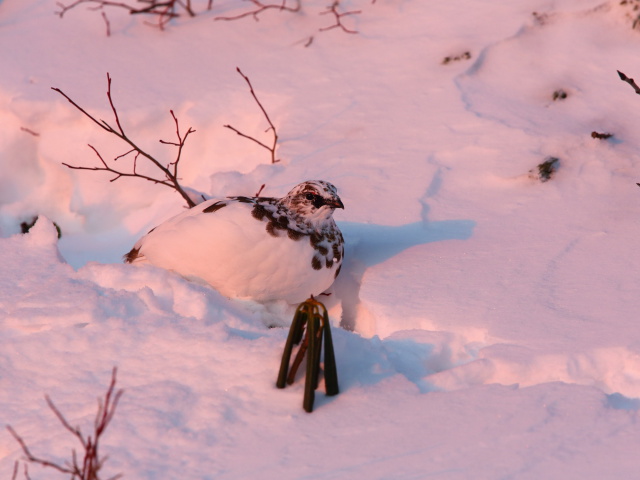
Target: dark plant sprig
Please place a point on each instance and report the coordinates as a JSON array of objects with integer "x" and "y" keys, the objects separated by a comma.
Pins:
[
  {"x": 163, "y": 10},
  {"x": 91, "y": 463},
  {"x": 260, "y": 190},
  {"x": 630, "y": 81},
  {"x": 601, "y": 136},
  {"x": 333, "y": 10},
  {"x": 262, "y": 7},
  {"x": 272, "y": 148},
  {"x": 170, "y": 171}
]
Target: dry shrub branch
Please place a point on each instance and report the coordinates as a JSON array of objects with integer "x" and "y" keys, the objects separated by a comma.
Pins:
[
  {"x": 261, "y": 7},
  {"x": 89, "y": 466},
  {"x": 333, "y": 9},
  {"x": 169, "y": 171},
  {"x": 272, "y": 148},
  {"x": 633, "y": 84},
  {"x": 166, "y": 10},
  {"x": 630, "y": 81},
  {"x": 163, "y": 10}
]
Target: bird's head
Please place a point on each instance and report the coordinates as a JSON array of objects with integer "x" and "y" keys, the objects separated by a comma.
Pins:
[{"x": 314, "y": 200}]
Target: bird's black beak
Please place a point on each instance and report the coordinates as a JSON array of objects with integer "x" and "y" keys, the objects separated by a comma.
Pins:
[{"x": 336, "y": 203}]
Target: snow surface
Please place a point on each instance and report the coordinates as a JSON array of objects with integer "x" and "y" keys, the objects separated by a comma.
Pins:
[{"x": 489, "y": 320}]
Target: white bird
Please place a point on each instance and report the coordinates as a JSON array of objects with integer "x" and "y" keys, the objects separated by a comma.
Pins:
[{"x": 259, "y": 248}]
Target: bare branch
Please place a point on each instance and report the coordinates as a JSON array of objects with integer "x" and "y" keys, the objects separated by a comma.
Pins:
[
  {"x": 74, "y": 430},
  {"x": 635, "y": 87},
  {"x": 170, "y": 172},
  {"x": 262, "y": 7},
  {"x": 271, "y": 148},
  {"x": 107, "y": 409},
  {"x": 29, "y": 131},
  {"x": 32, "y": 458},
  {"x": 113, "y": 108},
  {"x": 630, "y": 81},
  {"x": 91, "y": 462},
  {"x": 102, "y": 124},
  {"x": 107, "y": 168},
  {"x": 163, "y": 10},
  {"x": 180, "y": 144},
  {"x": 249, "y": 137},
  {"x": 333, "y": 10},
  {"x": 107, "y": 23},
  {"x": 601, "y": 136}
]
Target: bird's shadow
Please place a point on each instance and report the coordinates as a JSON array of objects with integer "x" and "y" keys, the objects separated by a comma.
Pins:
[{"x": 367, "y": 245}]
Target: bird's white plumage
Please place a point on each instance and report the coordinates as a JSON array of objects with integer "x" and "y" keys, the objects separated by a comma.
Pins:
[{"x": 252, "y": 247}]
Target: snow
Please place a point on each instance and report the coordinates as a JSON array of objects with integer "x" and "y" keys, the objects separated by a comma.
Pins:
[{"x": 485, "y": 323}]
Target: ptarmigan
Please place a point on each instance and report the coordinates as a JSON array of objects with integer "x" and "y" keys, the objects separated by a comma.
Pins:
[{"x": 259, "y": 248}]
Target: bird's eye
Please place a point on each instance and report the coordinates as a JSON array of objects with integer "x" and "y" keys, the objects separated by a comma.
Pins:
[{"x": 316, "y": 200}]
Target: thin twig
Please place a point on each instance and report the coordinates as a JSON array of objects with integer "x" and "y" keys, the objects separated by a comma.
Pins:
[
  {"x": 333, "y": 10},
  {"x": 108, "y": 25},
  {"x": 633, "y": 84},
  {"x": 170, "y": 171},
  {"x": 630, "y": 81},
  {"x": 261, "y": 7},
  {"x": 601, "y": 136},
  {"x": 32, "y": 458},
  {"x": 180, "y": 144},
  {"x": 107, "y": 168},
  {"x": 91, "y": 462},
  {"x": 164, "y": 10},
  {"x": 113, "y": 108},
  {"x": 74, "y": 430},
  {"x": 271, "y": 148},
  {"x": 29, "y": 131}
]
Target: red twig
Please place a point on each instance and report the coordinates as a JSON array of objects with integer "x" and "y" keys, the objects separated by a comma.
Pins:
[
  {"x": 91, "y": 462},
  {"x": 333, "y": 10},
  {"x": 29, "y": 131},
  {"x": 170, "y": 171},
  {"x": 261, "y": 7},
  {"x": 164, "y": 10},
  {"x": 630, "y": 81},
  {"x": 33, "y": 459},
  {"x": 106, "y": 22},
  {"x": 113, "y": 108},
  {"x": 271, "y": 148},
  {"x": 180, "y": 144}
]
